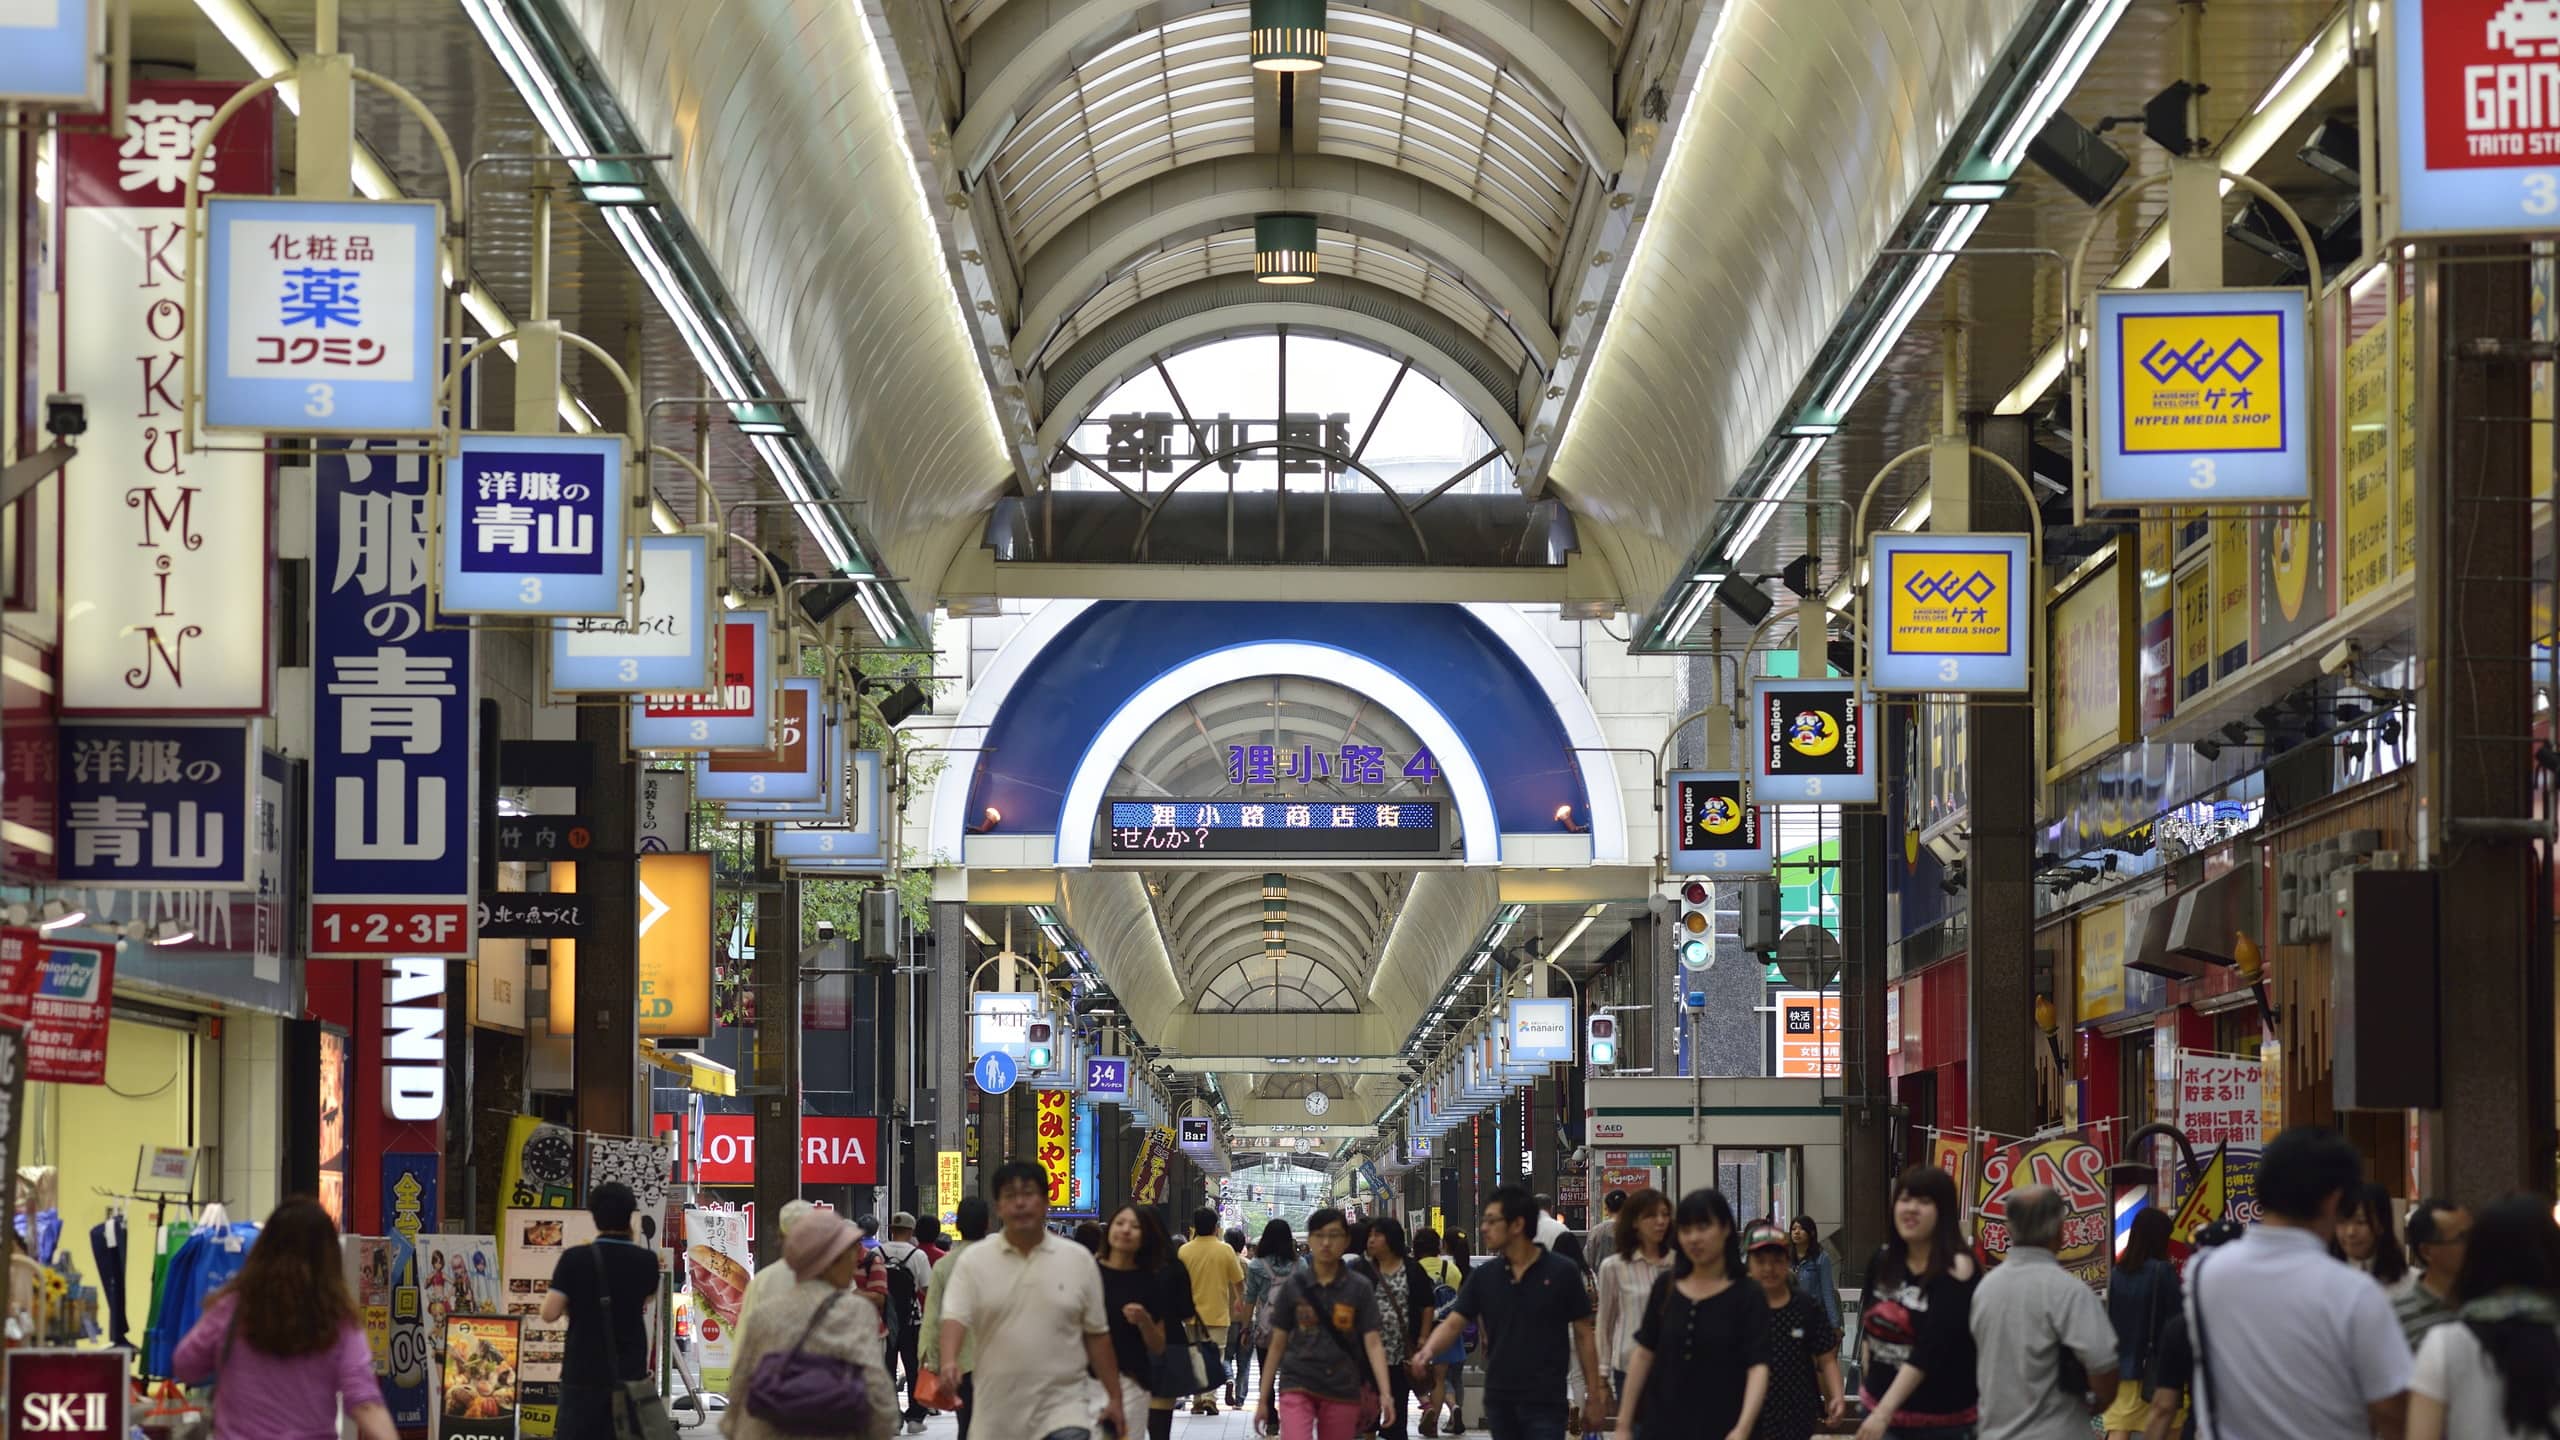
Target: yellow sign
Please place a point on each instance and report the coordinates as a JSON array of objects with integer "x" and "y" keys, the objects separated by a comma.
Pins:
[
  {"x": 2365, "y": 476},
  {"x": 1054, "y": 1144},
  {"x": 2087, "y": 699},
  {"x": 2231, "y": 571},
  {"x": 2406, "y": 543},
  {"x": 2100, "y": 943},
  {"x": 2270, "y": 1088},
  {"x": 675, "y": 948},
  {"x": 2195, "y": 631},
  {"x": 1949, "y": 603},
  {"x": 946, "y": 1185},
  {"x": 2203, "y": 382},
  {"x": 2204, "y": 1203}
]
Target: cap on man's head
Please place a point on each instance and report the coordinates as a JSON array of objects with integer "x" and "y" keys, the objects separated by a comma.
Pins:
[
  {"x": 901, "y": 1221},
  {"x": 1763, "y": 1237}
]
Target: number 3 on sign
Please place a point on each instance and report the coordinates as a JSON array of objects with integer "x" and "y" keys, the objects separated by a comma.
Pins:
[
  {"x": 1950, "y": 671},
  {"x": 2201, "y": 475},
  {"x": 2542, "y": 193},
  {"x": 324, "y": 401}
]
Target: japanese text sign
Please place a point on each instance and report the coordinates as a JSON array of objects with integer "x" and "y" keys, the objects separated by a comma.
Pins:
[
  {"x": 833, "y": 804},
  {"x": 675, "y": 944},
  {"x": 1346, "y": 765},
  {"x": 1950, "y": 612},
  {"x": 2473, "y": 118},
  {"x": 533, "y": 525},
  {"x": 68, "y": 1014},
  {"x": 393, "y": 729},
  {"x": 165, "y": 569},
  {"x": 158, "y": 803},
  {"x": 2219, "y": 1099},
  {"x": 322, "y": 317},
  {"x": 736, "y": 715},
  {"x": 1713, "y": 830},
  {"x": 49, "y": 53},
  {"x": 792, "y": 772},
  {"x": 2075, "y": 1169},
  {"x": 664, "y": 647},
  {"x": 1054, "y": 1143},
  {"x": 1809, "y": 1033},
  {"x": 2089, "y": 695},
  {"x": 1541, "y": 1030},
  {"x": 1812, "y": 744},
  {"x": 1000, "y": 1020},
  {"x": 1106, "y": 1077},
  {"x": 2203, "y": 397}
]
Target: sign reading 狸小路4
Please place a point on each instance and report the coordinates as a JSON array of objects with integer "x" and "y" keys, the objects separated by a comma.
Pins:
[
  {"x": 1949, "y": 612},
  {"x": 2203, "y": 398},
  {"x": 322, "y": 317},
  {"x": 534, "y": 525},
  {"x": 2472, "y": 110}
]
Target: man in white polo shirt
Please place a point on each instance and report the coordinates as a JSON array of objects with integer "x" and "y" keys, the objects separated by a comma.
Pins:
[
  {"x": 2291, "y": 1344},
  {"x": 1023, "y": 1296}
]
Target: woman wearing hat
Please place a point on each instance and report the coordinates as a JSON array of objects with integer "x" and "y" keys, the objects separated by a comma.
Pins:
[{"x": 822, "y": 1313}]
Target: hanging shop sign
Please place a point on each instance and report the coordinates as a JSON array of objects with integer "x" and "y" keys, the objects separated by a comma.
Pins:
[
  {"x": 157, "y": 804},
  {"x": 533, "y": 916},
  {"x": 483, "y": 1356},
  {"x": 2092, "y": 701},
  {"x": 2473, "y": 117},
  {"x": 1244, "y": 828},
  {"x": 68, "y": 1011},
  {"x": 855, "y": 844},
  {"x": 166, "y": 553},
  {"x": 792, "y": 772},
  {"x": 1000, "y": 1022},
  {"x": 533, "y": 525},
  {"x": 394, "y": 744},
  {"x": 666, "y": 806},
  {"x": 1951, "y": 612},
  {"x": 67, "y": 1394},
  {"x": 737, "y": 715},
  {"x": 665, "y": 645},
  {"x": 1053, "y": 1143},
  {"x": 409, "y": 1186},
  {"x": 834, "y": 1149},
  {"x": 1814, "y": 744},
  {"x": 1195, "y": 1133},
  {"x": 1106, "y": 1077},
  {"x": 833, "y": 803},
  {"x": 2203, "y": 397},
  {"x": 675, "y": 944},
  {"x": 545, "y": 837},
  {"x": 2219, "y": 1098},
  {"x": 1714, "y": 831},
  {"x": 50, "y": 55},
  {"x": 322, "y": 317},
  {"x": 1541, "y": 1031}
]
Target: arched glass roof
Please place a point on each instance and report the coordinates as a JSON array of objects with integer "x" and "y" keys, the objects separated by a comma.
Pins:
[
  {"x": 1412, "y": 99},
  {"x": 1421, "y": 437}
]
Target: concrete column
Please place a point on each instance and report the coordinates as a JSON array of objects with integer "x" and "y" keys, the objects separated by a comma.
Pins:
[
  {"x": 1999, "y": 897},
  {"x": 772, "y": 1077},
  {"x": 607, "y": 1027},
  {"x": 1866, "y": 1129}
]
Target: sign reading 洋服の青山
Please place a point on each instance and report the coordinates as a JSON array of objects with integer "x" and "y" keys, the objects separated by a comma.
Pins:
[
  {"x": 158, "y": 804},
  {"x": 393, "y": 727},
  {"x": 1813, "y": 743},
  {"x": 2202, "y": 397},
  {"x": 1541, "y": 1030},
  {"x": 322, "y": 317},
  {"x": 2473, "y": 117},
  {"x": 737, "y": 714},
  {"x": 51, "y": 53},
  {"x": 534, "y": 525},
  {"x": 165, "y": 569},
  {"x": 1257, "y": 827},
  {"x": 1949, "y": 612},
  {"x": 664, "y": 647},
  {"x": 1714, "y": 831}
]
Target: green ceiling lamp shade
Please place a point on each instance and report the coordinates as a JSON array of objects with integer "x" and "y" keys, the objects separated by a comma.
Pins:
[
  {"x": 1284, "y": 249},
  {"x": 1288, "y": 34}
]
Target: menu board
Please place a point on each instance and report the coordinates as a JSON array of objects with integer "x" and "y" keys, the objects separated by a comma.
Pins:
[{"x": 531, "y": 1243}]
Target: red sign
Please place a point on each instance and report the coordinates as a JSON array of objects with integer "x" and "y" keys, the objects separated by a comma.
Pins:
[
  {"x": 737, "y": 694},
  {"x": 67, "y": 1012},
  {"x": 834, "y": 1149},
  {"x": 66, "y": 1394},
  {"x": 2492, "y": 78}
]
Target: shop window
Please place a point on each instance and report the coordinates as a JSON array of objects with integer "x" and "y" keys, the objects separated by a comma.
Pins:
[
  {"x": 2136, "y": 1097},
  {"x": 2238, "y": 1032}
]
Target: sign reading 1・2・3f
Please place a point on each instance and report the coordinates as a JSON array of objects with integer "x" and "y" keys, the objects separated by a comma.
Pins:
[
  {"x": 534, "y": 525},
  {"x": 321, "y": 316},
  {"x": 1949, "y": 612},
  {"x": 2203, "y": 397}
]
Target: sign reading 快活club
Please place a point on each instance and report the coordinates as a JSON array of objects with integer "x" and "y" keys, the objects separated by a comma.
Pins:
[
  {"x": 1713, "y": 830},
  {"x": 322, "y": 317},
  {"x": 1811, "y": 744},
  {"x": 534, "y": 525},
  {"x": 2472, "y": 109},
  {"x": 1949, "y": 612},
  {"x": 2202, "y": 397}
]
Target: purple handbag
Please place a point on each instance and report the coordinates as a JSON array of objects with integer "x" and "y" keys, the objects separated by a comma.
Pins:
[{"x": 807, "y": 1394}]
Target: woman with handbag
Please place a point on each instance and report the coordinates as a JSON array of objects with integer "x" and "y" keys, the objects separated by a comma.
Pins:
[
  {"x": 1325, "y": 1360},
  {"x": 1147, "y": 1298},
  {"x": 808, "y": 1361},
  {"x": 2141, "y": 1295},
  {"x": 281, "y": 1343},
  {"x": 1274, "y": 1256}
]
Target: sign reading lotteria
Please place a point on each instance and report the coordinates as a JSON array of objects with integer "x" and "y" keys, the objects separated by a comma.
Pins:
[
  {"x": 1542, "y": 1030},
  {"x": 2473, "y": 91},
  {"x": 834, "y": 1149},
  {"x": 1713, "y": 832},
  {"x": 1812, "y": 745},
  {"x": 154, "y": 804},
  {"x": 165, "y": 567},
  {"x": 2203, "y": 397},
  {"x": 1950, "y": 612},
  {"x": 533, "y": 525},
  {"x": 50, "y": 53},
  {"x": 322, "y": 317},
  {"x": 665, "y": 646},
  {"x": 736, "y": 715}
]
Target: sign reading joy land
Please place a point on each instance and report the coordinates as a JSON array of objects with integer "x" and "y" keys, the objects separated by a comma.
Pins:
[
  {"x": 533, "y": 525},
  {"x": 1812, "y": 744},
  {"x": 322, "y": 316},
  {"x": 2204, "y": 397},
  {"x": 1950, "y": 612},
  {"x": 1712, "y": 831},
  {"x": 2474, "y": 110}
]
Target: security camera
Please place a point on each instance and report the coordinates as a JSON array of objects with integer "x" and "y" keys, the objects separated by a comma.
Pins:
[
  {"x": 66, "y": 416},
  {"x": 826, "y": 931},
  {"x": 2340, "y": 659}
]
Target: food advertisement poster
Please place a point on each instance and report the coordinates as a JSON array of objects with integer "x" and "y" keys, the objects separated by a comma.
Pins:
[
  {"x": 481, "y": 1377},
  {"x": 718, "y": 1263},
  {"x": 458, "y": 1274},
  {"x": 530, "y": 1243},
  {"x": 382, "y": 1272}
]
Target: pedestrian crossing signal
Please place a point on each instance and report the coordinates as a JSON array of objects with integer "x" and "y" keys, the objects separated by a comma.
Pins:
[
  {"x": 1037, "y": 1052},
  {"x": 1602, "y": 1041}
]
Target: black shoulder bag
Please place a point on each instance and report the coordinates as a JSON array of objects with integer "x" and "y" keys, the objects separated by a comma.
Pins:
[{"x": 639, "y": 1413}]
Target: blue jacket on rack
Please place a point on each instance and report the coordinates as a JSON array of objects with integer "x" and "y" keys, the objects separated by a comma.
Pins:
[{"x": 203, "y": 1265}]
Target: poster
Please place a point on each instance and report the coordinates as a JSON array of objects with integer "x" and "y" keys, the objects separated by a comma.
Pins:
[
  {"x": 2219, "y": 1099},
  {"x": 2231, "y": 567},
  {"x": 2074, "y": 1167},
  {"x": 645, "y": 1166},
  {"x": 409, "y": 1194},
  {"x": 1628, "y": 1171},
  {"x": 458, "y": 1275},
  {"x": 718, "y": 1263},
  {"x": 541, "y": 1166},
  {"x": 2087, "y": 709},
  {"x": 2227, "y": 1190},
  {"x": 2195, "y": 630},
  {"x": 2157, "y": 657},
  {"x": 333, "y": 1124},
  {"x": 68, "y": 1018},
  {"x": 531, "y": 1242},
  {"x": 2271, "y": 1088},
  {"x": 481, "y": 1369},
  {"x": 382, "y": 1273},
  {"x": 1808, "y": 1033},
  {"x": 1952, "y": 1151},
  {"x": 2364, "y": 483},
  {"x": 1148, "y": 1177}
]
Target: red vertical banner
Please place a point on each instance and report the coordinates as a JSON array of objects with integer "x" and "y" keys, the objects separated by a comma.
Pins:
[{"x": 1054, "y": 1144}]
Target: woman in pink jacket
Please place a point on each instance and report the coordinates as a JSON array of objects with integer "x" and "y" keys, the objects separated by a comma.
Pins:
[{"x": 281, "y": 1343}]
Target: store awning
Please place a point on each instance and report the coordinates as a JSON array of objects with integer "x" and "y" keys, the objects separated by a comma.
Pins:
[{"x": 708, "y": 1076}]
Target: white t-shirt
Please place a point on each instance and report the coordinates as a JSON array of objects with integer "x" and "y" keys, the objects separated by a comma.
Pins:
[
  {"x": 1027, "y": 1315},
  {"x": 2293, "y": 1345},
  {"x": 2453, "y": 1369}
]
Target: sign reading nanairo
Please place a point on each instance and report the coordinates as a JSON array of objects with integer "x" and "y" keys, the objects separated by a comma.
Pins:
[
  {"x": 1811, "y": 744},
  {"x": 1713, "y": 832},
  {"x": 2202, "y": 397},
  {"x": 1951, "y": 612},
  {"x": 2474, "y": 110}
]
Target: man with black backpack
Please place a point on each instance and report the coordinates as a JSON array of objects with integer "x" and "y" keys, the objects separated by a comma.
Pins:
[{"x": 909, "y": 1276}]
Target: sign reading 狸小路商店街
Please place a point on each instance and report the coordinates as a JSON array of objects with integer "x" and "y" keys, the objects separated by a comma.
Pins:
[
  {"x": 1948, "y": 613},
  {"x": 165, "y": 550},
  {"x": 534, "y": 525},
  {"x": 2203, "y": 397},
  {"x": 2472, "y": 131},
  {"x": 158, "y": 804},
  {"x": 1273, "y": 827},
  {"x": 322, "y": 317}
]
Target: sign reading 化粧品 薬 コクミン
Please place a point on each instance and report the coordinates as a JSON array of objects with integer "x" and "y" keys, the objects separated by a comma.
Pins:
[{"x": 322, "y": 317}]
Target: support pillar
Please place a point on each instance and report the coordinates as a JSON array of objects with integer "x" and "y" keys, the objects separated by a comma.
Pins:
[
  {"x": 773, "y": 1052},
  {"x": 607, "y": 1025},
  {"x": 1866, "y": 1130},
  {"x": 2476, "y": 630},
  {"x": 1999, "y": 898}
]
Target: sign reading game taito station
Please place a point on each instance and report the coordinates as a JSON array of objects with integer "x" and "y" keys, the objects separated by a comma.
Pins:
[{"x": 2472, "y": 110}]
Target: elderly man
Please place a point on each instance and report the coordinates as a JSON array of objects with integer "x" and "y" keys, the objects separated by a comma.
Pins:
[{"x": 2029, "y": 1316}]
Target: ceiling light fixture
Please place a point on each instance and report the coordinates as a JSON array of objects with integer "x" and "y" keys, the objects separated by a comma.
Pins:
[
  {"x": 1284, "y": 245},
  {"x": 1288, "y": 35},
  {"x": 2089, "y": 30}
]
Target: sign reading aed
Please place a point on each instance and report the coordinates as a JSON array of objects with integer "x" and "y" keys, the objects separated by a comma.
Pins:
[{"x": 1811, "y": 745}]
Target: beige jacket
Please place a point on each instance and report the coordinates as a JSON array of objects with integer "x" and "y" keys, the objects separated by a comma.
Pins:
[{"x": 851, "y": 1332}]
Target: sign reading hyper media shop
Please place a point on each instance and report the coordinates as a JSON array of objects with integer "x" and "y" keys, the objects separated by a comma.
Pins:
[
  {"x": 834, "y": 1149},
  {"x": 2474, "y": 109},
  {"x": 2203, "y": 397}
]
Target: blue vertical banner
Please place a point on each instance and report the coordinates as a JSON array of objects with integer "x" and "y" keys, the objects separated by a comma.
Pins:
[
  {"x": 322, "y": 317},
  {"x": 394, "y": 730},
  {"x": 158, "y": 804},
  {"x": 534, "y": 525},
  {"x": 409, "y": 1194}
]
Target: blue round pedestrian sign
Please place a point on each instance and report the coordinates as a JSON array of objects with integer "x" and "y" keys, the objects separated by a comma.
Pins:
[{"x": 996, "y": 1072}]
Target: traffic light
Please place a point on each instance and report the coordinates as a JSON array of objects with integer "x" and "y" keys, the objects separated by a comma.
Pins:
[
  {"x": 1603, "y": 1042},
  {"x": 1696, "y": 936},
  {"x": 1039, "y": 1054}
]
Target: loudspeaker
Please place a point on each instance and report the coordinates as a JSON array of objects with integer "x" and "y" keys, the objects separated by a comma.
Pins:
[{"x": 2075, "y": 155}]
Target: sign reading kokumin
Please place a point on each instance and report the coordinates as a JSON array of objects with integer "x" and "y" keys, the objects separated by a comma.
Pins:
[
  {"x": 158, "y": 804},
  {"x": 2474, "y": 106},
  {"x": 322, "y": 317},
  {"x": 533, "y": 525},
  {"x": 2203, "y": 397},
  {"x": 1811, "y": 746},
  {"x": 1950, "y": 612},
  {"x": 1713, "y": 832}
]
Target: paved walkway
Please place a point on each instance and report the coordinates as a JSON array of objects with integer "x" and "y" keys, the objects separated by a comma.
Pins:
[{"x": 1225, "y": 1425}]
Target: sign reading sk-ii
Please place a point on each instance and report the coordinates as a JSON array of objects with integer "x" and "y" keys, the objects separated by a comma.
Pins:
[
  {"x": 2474, "y": 89},
  {"x": 1950, "y": 612},
  {"x": 2204, "y": 397},
  {"x": 164, "y": 552},
  {"x": 738, "y": 715},
  {"x": 533, "y": 525},
  {"x": 392, "y": 745},
  {"x": 321, "y": 316},
  {"x": 1812, "y": 744},
  {"x": 149, "y": 805}
]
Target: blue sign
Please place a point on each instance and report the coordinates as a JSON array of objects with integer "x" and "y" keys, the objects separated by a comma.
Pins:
[
  {"x": 533, "y": 525},
  {"x": 322, "y": 317},
  {"x": 995, "y": 1072},
  {"x": 1106, "y": 1077},
  {"x": 409, "y": 1191},
  {"x": 665, "y": 647},
  {"x": 2203, "y": 397},
  {"x": 1261, "y": 827},
  {"x": 1948, "y": 612},
  {"x": 153, "y": 804},
  {"x": 393, "y": 735},
  {"x": 2474, "y": 132},
  {"x": 853, "y": 846},
  {"x": 1541, "y": 1031},
  {"x": 51, "y": 55},
  {"x": 1346, "y": 765},
  {"x": 1715, "y": 830}
]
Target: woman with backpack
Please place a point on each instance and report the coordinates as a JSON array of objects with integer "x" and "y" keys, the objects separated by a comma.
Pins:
[
  {"x": 281, "y": 1342},
  {"x": 1274, "y": 1256},
  {"x": 2493, "y": 1373},
  {"x": 1639, "y": 1254},
  {"x": 1446, "y": 1276},
  {"x": 808, "y": 1361},
  {"x": 2141, "y": 1296}
]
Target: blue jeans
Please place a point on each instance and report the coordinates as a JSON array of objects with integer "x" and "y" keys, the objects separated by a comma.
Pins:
[{"x": 1514, "y": 1417}]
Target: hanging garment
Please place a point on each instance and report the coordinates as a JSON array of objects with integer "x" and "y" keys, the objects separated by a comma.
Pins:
[
  {"x": 106, "y": 1248},
  {"x": 203, "y": 1265}
]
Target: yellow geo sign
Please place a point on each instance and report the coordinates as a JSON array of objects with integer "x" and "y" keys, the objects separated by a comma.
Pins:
[
  {"x": 2202, "y": 397},
  {"x": 2201, "y": 382},
  {"x": 1950, "y": 612}
]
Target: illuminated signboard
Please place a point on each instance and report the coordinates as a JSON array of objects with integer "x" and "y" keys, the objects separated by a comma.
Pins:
[
  {"x": 2203, "y": 397},
  {"x": 1712, "y": 831},
  {"x": 1255, "y": 827},
  {"x": 1813, "y": 744},
  {"x": 1950, "y": 612},
  {"x": 2473, "y": 110}
]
